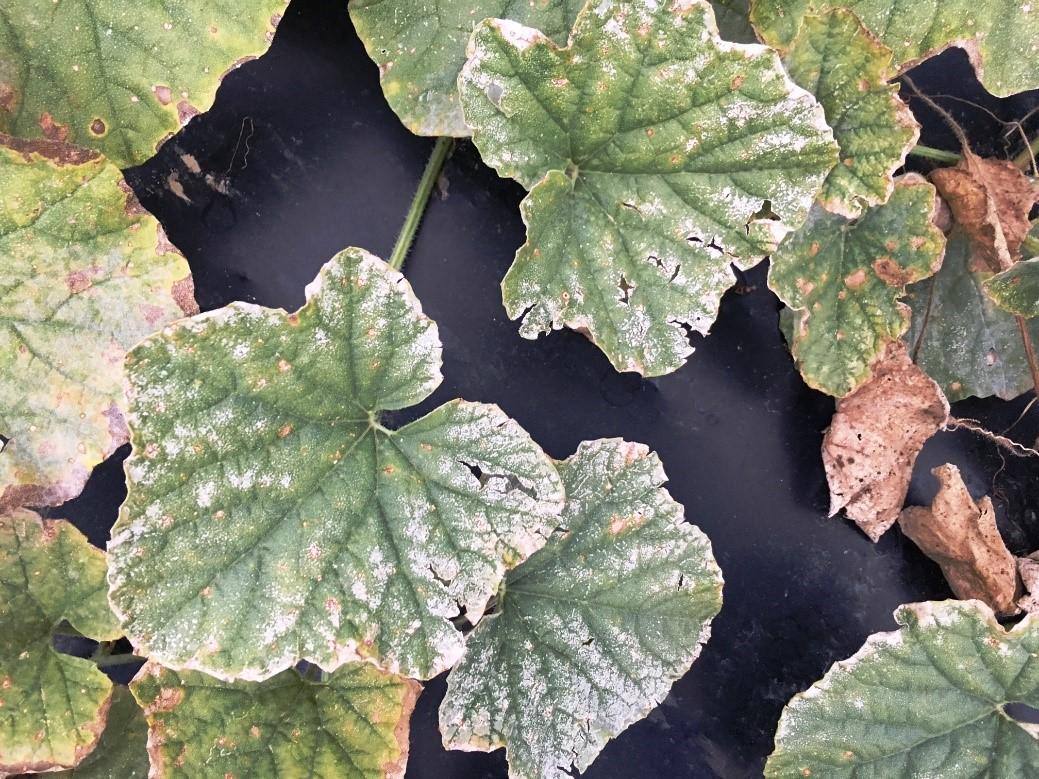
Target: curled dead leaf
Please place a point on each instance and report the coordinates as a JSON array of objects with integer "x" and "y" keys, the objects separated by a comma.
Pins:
[
  {"x": 991, "y": 199},
  {"x": 874, "y": 439},
  {"x": 960, "y": 535}
]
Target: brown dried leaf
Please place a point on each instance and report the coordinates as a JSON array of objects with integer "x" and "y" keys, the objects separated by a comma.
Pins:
[
  {"x": 875, "y": 436},
  {"x": 991, "y": 199},
  {"x": 961, "y": 536},
  {"x": 1028, "y": 570}
]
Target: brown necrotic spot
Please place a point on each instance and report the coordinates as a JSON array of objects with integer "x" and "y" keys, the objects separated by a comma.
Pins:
[
  {"x": 53, "y": 131},
  {"x": 855, "y": 279},
  {"x": 163, "y": 93},
  {"x": 891, "y": 273},
  {"x": 98, "y": 127}
]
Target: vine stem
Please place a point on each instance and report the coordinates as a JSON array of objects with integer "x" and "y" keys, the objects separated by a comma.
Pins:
[
  {"x": 105, "y": 661},
  {"x": 934, "y": 154},
  {"x": 419, "y": 202}
]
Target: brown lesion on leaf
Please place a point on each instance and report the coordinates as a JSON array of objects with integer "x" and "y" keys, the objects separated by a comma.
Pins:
[
  {"x": 163, "y": 94},
  {"x": 56, "y": 151},
  {"x": 394, "y": 769},
  {"x": 891, "y": 273},
  {"x": 8, "y": 98},
  {"x": 183, "y": 292},
  {"x": 98, "y": 127},
  {"x": 53, "y": 130},
  {"x": 856, "y": 279},
  {"x": 186, "y": 112},
  {"x": 167, "y": 699}
]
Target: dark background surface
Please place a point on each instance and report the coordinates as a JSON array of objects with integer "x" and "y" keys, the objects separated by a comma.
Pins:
[{"x": 301, "y": 157}]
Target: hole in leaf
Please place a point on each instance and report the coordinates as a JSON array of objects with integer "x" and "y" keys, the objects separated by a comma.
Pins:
[
  {"x": 589, "y": 642},
  {"x": 626, "y": 288},
  {"x": 766, "y": 212},
  {"x": 1022, "y": 712},
  {"x": 4, "y": 440},
  {"x": 438, "y": 578}
]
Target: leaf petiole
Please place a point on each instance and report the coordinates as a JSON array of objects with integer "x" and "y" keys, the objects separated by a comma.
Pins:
[
  {"x": 105, "y": 661},
  {"x": 419, "y": 202},
  {"x": 931, "y": 153}
]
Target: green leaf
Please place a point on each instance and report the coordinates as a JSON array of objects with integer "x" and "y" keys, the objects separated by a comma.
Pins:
[
  {"x": 85, "y": 273},
  {"x": 271, "y": 517},
  {"x": 651, "y": 149},
  {"x": 120, "y": 77},
  {"x": 419, "y": 46},
  {"x": 353, "y": 725},
  {"x": 999, "y": 35},
  {"x": 122, "y": 752},
  {"x": 52, "y": 706},
  {"x": 845, "y": 67},
  {"x": 844, "y": 278},
  {"x": 960, "y": 337},
  {"x": 1017, "y": 290},
  {"x": 924, "y": 701},
  {"x": 591, "y": 631}
]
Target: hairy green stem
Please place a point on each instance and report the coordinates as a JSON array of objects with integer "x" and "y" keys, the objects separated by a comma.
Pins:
[
  {"x": 934, "y": 154},
  {"x": 1026, "y": 159},
  {"x": 419, "y": 202},
  {"x": 105, "y": 661}
]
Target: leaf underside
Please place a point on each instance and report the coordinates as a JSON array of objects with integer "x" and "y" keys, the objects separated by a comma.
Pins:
[
  {"x": 271, "y": 518},
  {"x": 84, "y": 274},
  {"x": 121, "y": 77},
  {"x": 926, "y": 700},
  {"x": 1000, "y": 36},
  {"x": 52, "y": 706},
  {"x": 650, "y": 149},
  {"x": 419, "y": 46},
  {"x": 352, "y": 725},
  {"x": 840, "y": 63},
  {"x": 960, "y": 337},
  {"x": 593, "y": 629},
  {"x": 844, "y": 279}
]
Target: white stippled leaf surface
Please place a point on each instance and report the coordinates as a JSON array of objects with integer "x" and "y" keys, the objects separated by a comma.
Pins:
[{"x": 271, "y": 517}]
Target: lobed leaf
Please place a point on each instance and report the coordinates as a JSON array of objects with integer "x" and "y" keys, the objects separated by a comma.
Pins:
[
  {"x": 352, "y": 725},
  {"x": 85, "y": 273},
  {"x": 53, "y": 707},
  {"x": 122, "y": 752},
  {"x": 1017, "y": 290},
  {"x": 592, "y": 630},
  {"x": 926, "y": 700},
  {"x": 999, "y": 36},
  {"x": 118, "y": 77},
  {"x": 960, "y": 337},
  {"x": 419, "y": 46},
  {"x": 844, "y": 279},
  {"x": 656, "y": 155},
  {"x": 848, "y": 70},
  {"x": 272, "y": 518}
]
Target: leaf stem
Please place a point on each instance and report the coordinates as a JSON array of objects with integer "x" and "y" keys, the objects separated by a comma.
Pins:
[
  {"x": 934, "y": 154},
  {"x": 419, "y": 202},
  {"x": 1025, "y": 161},
  {"x": 105, "y": 661}
]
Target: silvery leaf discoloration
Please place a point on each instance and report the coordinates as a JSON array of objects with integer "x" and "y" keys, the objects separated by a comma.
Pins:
[
  {"x": 656, "y": 154},
  {"x": 591, "y": 631},
  {"x": 925, "y": 700},
  {"x": 1001, "y": 37},
  {"x": 351, "y": 725},
  {"x": 419, "y": 46},
  {"x": 118, "y": 77},
  {"x": 85, "y": 273},
  {"x": 53, "y": 707},
  {"x": 271, "y": 517}
]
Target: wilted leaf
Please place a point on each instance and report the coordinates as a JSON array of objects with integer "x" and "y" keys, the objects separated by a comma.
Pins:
[
  {"x": 848, "y": 70},
  {"x": 352, "y": 725},
  {"x": 419, "y": 46},
  {"x": 85, "y": 273},
  {"x": 961, "y": 536},
  {"x": 999, "y": 35},
  {"x": 1017, "y": 290},
  {"x": 121, "y": 77},
  {"x": 927, "y": 700},
  {"x": 52, "y": 706},
  {"x": 592, "y": 630},
  {"x": 960, "y": 337},
  {"x": 651, "y": 149},
  {"x": 271, "y": 517},
  {"x": 122, "y": 752},
  {"x": 1028, "y": 571},
  {"x": 990, "y": 200},
  {"x": 844, "y": 279},
  {"x": 874, "y": 439}
]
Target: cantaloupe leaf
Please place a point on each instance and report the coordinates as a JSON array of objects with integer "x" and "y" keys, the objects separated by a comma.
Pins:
[
  {"x": 122, "y": 752},
  {"x": 656, "y": 156},
  {"x": 121, "y": 77},
  {"x": 271, "y": 515},
  {"x": 53, "y": 706},
  {"x": 1017, "y": 290},
  {"x": 591, "y": 632}
]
